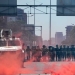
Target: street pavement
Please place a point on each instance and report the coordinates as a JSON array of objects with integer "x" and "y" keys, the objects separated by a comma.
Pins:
[
  {"x": 40, "y": 68},
  {"x": 35, "y": 74}
]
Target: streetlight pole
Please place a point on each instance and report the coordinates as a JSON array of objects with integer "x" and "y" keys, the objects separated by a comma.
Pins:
[
  {"x": 28, "y": 31},
  {"x": 34, "y": 23},
  {"x": 41, "y": 31},
  {"x": 41, "y": 34},
  {"x": 50, "y": 26},
  {"x": 34, "y": 12}
]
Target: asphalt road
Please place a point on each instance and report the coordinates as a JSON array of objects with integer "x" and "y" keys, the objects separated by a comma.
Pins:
[
  {"x": 35, "y": 74},
  {"x": 40, "y": 68}
]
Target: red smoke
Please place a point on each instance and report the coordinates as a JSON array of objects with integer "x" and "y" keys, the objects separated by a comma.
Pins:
[
  {"x": 60, "y": 68},
  {"x": 9, "y": 63},
  {"x": 18, "y": 35},
  {"x": 53, "y": 68}
]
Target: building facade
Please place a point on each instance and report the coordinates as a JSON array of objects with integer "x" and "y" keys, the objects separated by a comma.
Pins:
[
  {"x": 29, "y": 34},
  {"x": 10, "y": 19},
  {"x": 21, "y": 16},
  {"x": 53, "y": 41},
  {"x": 68, "y": 30},
  {"x": 58, "y": 38},
  {"x": 39, "y": 41}
]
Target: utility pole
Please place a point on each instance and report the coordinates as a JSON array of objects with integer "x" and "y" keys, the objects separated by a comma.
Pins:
[
  {"x": 50, "y": 26},
  {"x": 41, "y": 35},
  {"x": 41, "y": 31},
  {"x": 34, "y": 23},
  {"x": 34, "y": 12}
]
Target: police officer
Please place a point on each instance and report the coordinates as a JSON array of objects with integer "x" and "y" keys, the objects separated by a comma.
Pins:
[
  {"x": 72, "y": 52},
  {"x": 38, "y": 53},
  {"x": 56, "y": 50},
  {"x": 51, "y": 53},
  {"x": 60, "y": 53},
  {"x": 34, "y": 53},
  {"x": 28, "y": 52},
  {"x": 64, "y": 52},
  {"x": 44, "y": 50},
  {"x": 68, "y": 52}
]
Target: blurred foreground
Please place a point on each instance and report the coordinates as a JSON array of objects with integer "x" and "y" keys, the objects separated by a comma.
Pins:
[{"x": 52, "y": 68}]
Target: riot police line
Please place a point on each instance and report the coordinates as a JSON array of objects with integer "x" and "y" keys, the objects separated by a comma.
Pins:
[{"x": 58, "y": 53}]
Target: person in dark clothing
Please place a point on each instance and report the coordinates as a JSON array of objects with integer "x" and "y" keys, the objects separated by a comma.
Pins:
[
  {"x": 28, "y": 52},
  {"x": 64, "y": 52},
  {"x": 73, "y": 52},
  {"x": 45, "y": 56},
  {"x": 57, "y": 53},
  {"x": 34, "y": 53},
  {"x": 38, "y": 54},
  {"x": 60, "y": 52},
  {"x": 33, "y": 50},
  {"x": 44, "y": 50},
  {"x": 68, "y": 52},
  {"x": 51, "y": 53}
]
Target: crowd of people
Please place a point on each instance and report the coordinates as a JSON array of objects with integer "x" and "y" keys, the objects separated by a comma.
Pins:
[{"x": 58, "y": 53}]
